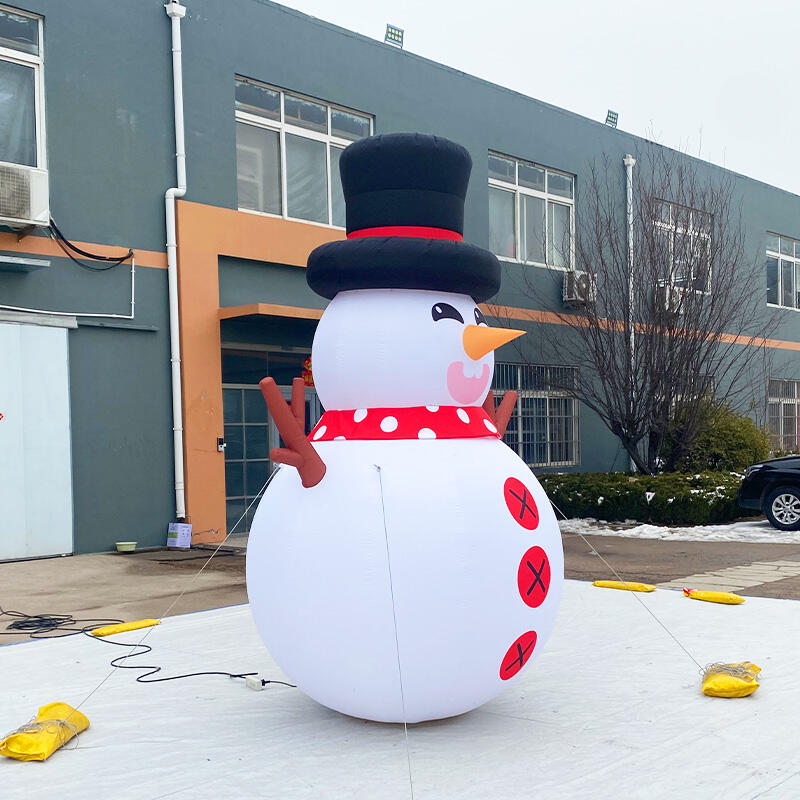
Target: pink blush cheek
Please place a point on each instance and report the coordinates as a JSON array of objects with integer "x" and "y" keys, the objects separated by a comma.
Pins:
[{"x": 464, "y": 389}]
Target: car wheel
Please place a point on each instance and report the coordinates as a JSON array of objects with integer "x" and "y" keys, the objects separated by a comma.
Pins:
[{"x": 782, "y": 508}]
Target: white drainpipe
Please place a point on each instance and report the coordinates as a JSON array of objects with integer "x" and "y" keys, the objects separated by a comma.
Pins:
[
  {"x": 176, "y": 11},
  {"x": 629, "y": 161}
]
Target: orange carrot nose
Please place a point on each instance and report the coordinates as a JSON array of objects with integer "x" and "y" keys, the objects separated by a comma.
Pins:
[{"x": 480, "y": 340}]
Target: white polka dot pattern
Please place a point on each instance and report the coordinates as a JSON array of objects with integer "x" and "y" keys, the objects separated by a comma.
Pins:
[{"x": 418, "y": 422}]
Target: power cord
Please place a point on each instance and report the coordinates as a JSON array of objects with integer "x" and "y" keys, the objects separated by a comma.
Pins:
[
  {"x": 57, "y": 626},
  {"x": 42, "y": 626},
  {"x": 141, "y": 650},
  {"x": 69, "y": 248}
]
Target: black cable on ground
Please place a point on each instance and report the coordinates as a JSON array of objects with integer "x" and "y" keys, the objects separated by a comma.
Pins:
[
  {"x": 41, "y": 626},
  {"x": 46, "y": 626},
  {"x": 143, "y": 649},
  {"x": 67, "y": 246}
]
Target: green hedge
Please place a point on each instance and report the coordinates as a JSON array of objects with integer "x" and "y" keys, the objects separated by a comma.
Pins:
[
  {"x": 726, "y": 441},
  {"x": 678, "y": 498}
]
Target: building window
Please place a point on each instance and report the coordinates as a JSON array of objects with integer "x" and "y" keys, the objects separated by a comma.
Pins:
[
  {"x": 250, "y": 431},
  {"x": 287, "y": 153},
  {"x": 783, "y": 412},
  {"x": 683, "y": 245},
  {"x": 21, "y": 91},
  {"x": 544, "y": 429},
  {"x": 531, "y": 212},
  {"x": 783, "y": 271}
]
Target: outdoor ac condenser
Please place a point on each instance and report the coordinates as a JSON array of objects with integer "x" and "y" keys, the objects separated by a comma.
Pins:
[
  {"x": 579, "y": 288},
  {"x": 24, "y": 196}
]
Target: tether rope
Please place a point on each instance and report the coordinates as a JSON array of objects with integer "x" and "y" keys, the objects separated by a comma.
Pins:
[
  {"x": 134, "y": 648},
  {"x": 635, "y": 594},
  {"x": 396, "y": 639}
]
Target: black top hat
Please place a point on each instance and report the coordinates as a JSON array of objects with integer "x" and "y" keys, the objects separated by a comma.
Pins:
[{"x": 404, "y": 194}]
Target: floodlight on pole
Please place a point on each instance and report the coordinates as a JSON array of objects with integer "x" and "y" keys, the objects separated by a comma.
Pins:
[
  {"x": 611, "y": 118},
  {"x": 394, "y": 35}
]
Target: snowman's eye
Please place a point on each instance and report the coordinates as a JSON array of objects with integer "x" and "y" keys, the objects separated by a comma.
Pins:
[
  {"x": 479, "y": 318},
  {"x": 446, "y": 311}
]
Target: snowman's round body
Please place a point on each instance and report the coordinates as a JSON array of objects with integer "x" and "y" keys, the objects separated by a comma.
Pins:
[{"x": 421, "y": 574}]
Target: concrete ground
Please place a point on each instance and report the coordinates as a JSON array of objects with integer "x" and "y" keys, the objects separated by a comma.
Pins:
[
  {"x": 147, "y": 584},
  {"x": 124, "y": 586},
  {"x": 743, "y": 567}
]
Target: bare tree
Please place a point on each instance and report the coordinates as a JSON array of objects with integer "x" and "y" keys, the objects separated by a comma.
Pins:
[{"x": 674, "y": 317}]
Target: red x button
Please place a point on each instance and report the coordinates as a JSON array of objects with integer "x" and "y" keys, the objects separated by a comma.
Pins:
[
  {"x": 520, "y": 503},
  {"x": 533, "y": 577},
  {"x": 518, "y": 655}
]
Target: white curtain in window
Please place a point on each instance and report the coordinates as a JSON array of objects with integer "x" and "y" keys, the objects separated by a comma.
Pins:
[
  {"x": 17, "y": 114},
  {"x": 258, "y": 169},
  {"x": 337, "y": 195},
  {"x": 560, "y": 240},
  {"x": 501, "y": 223},
  {"x": 532, "y": 228},
  {"x": 306, "y": 179}
]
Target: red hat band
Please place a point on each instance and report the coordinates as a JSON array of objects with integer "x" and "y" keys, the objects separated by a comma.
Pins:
[{"x": 415, "y": 231}]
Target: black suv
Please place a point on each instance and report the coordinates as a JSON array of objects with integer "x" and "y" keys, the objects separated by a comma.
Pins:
[{"x": 773, "y": 487}]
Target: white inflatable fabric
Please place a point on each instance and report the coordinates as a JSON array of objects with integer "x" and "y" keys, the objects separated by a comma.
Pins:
[
  {"x": 429, "y": 542},
  {"x": 420, "y": 575},
  {"x": 381, "y": 348}
]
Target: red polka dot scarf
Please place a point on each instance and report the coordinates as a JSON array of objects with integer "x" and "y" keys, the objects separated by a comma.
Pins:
[{"x": 419, "y": 422}]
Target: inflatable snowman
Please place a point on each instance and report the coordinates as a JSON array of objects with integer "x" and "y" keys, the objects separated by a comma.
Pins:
[{"x": 404, "y": 564}]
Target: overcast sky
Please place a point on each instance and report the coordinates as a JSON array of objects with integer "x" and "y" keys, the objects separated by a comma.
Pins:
[{"x": 714, "y": 79}]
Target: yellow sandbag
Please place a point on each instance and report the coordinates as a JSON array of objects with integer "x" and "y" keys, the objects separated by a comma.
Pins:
[
  {"x": 626, "y": 585},
  {"x": 730, "y": 680},
  {"x": 54, "y": 726},
  {"x": 121, "y": 627},
  {"x": 728, "y": 598}
]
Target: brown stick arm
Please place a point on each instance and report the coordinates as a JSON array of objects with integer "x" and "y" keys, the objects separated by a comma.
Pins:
[
  {"x": 299, "y": 403},
  {"x": 290, "y": 421},
  {"x": 502, "y": 414}
]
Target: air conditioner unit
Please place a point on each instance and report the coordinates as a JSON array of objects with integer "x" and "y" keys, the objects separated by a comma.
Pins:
[
  {"x": 24, "y": 196},
  {"x": 579, "y": 288},
  {"x": 670, "y": 297}
]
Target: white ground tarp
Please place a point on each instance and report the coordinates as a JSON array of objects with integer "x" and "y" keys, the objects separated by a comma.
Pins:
[{"x": 610, "y": 708}]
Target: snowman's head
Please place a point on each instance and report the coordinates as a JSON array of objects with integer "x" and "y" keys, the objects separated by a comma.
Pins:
[{"x": 397, "y": 348}]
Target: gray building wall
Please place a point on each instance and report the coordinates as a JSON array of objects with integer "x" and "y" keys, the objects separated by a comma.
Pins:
[
  {"x": 110, "y": 152},
  {"x": 110, "y": 157}
]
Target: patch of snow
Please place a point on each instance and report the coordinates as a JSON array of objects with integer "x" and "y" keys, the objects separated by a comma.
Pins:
[{"x": 739, "y": 531}]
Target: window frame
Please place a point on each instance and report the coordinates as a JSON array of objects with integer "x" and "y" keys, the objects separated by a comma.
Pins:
[
  {"x": 673, "y": 228},
  {"x": 793, "y": 259},
  {"x": 282, "y": 128},
  {"x": 782, "y": 401},
  {"x": 549, "y": 394},
  {"x": 36, "y": 61},
  {"x": 548, "y": 198}
]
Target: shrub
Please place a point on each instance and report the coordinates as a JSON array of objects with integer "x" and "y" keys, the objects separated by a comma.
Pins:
[
  {"x": 677, "y": 498},
  {"x": 726, "y": 441}
]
